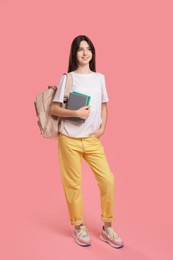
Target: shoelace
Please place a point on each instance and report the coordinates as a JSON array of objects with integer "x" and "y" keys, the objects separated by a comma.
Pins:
[
  {"x": 113, "y": 235},
  {"x": 81, "y": 232}
]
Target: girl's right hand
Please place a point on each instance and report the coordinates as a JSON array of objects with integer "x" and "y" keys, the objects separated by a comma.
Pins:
[{"x": 83, "y": 112}]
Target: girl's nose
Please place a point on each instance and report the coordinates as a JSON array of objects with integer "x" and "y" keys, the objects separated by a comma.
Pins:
[{"x": 85, "y": 51}]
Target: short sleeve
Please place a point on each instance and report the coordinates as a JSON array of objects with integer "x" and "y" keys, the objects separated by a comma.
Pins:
[
  {"x": 105, "y": 97},
  {"x": 59, "y": 95}
]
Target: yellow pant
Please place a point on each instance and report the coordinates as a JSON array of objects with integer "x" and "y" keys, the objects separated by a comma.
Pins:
[{"x": 71, "y": 151}]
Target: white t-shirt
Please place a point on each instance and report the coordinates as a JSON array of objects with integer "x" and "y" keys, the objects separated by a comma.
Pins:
[{"x": 93, "y": 85}]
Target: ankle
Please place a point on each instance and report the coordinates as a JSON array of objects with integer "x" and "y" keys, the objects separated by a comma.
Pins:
[
  {"x": 77, "y": 227},
  {"x": 107, "y": 225}
]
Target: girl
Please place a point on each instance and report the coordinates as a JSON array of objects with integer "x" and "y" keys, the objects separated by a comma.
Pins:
[{"x": 82, "y": 140}]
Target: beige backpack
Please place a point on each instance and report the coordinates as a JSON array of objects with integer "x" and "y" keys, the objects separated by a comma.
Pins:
[{"x": 49, "y": 125}]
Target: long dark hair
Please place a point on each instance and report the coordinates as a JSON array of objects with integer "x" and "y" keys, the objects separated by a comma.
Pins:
[{"x": 73, "y": 65}]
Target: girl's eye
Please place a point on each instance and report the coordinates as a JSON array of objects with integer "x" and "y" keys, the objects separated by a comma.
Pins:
[{"x": 80, "y": 49}]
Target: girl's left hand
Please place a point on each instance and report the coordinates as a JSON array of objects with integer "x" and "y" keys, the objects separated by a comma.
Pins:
[{"x": 98, "y": 133}]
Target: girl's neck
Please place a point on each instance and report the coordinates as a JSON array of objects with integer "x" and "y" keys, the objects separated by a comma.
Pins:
[{"x": 83, "y": 70}]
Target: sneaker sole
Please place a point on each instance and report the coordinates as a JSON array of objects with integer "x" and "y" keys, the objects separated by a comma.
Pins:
[
  {"x": 79, "y": 243},
  {"x": 102, "y": 239}
]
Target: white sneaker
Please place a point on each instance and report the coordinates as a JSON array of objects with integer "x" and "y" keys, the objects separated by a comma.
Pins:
[
  {"x": 111, "y": 237},
  {"x": 81, "y": 236}
]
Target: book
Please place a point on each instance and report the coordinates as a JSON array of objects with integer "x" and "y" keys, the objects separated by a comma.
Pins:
[
  {"x": 75, "y": 101},
  {"x": 88, "y": 100}
]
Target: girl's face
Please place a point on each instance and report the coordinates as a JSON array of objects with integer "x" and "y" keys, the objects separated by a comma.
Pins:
[{"x": 84, "y": 54}]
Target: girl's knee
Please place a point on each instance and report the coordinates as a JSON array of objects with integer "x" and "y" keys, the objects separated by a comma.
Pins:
[{"x": 108, "y": 181}]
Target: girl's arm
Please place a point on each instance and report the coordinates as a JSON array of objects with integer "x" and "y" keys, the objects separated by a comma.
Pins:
[
  {"x": 57, "y": 110},
  {"x": 104, "y": 117},
  {"x": 104, "y": 114}
]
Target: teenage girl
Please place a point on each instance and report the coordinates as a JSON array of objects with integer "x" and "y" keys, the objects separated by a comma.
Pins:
[{"x": 82, "y": 140}]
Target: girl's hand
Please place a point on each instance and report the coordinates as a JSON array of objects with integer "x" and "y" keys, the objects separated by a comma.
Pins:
[
  {"x": 98, "y": 133},
  {"x": 83, "y": 112}
]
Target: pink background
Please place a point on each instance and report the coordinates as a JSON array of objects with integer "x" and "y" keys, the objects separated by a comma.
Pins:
[{"x": 133, "y": 40}]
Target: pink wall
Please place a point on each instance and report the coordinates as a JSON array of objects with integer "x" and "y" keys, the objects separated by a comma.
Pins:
[{"x": 133, "y": 40}]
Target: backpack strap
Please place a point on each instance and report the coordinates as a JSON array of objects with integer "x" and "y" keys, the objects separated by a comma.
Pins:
[
  {"x": 68, "y": 85},
  {"x": 69, "y": 81}
]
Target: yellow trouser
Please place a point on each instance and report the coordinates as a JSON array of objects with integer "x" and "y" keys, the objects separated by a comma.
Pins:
[{"x": 71, "y": 151}]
